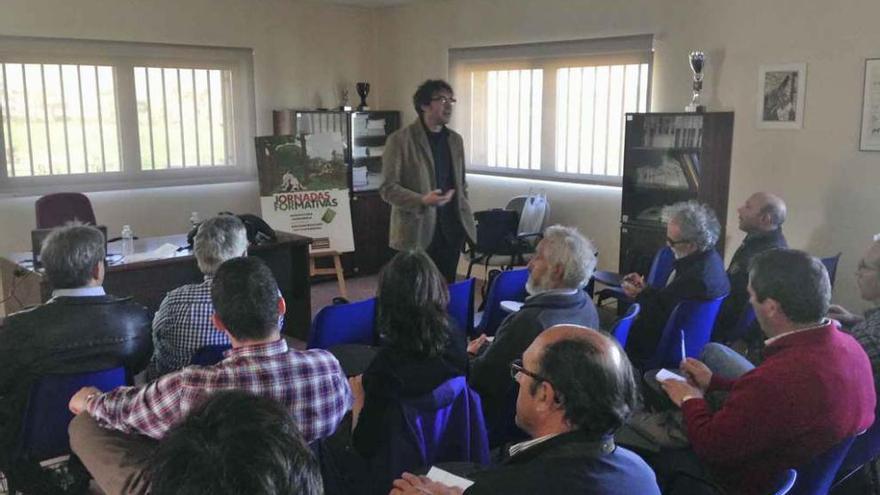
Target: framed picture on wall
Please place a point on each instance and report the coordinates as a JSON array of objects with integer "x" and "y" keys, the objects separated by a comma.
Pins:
[
  {"x": 870, "y": 140},
  {"x": 781, "y": 91}
]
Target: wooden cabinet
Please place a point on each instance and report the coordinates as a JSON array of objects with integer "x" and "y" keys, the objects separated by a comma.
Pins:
[
  {"x": 370, "y": 217},
  {"x": 670, "y": 157}
]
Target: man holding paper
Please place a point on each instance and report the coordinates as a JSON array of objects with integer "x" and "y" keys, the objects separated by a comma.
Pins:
[
  {"x": 813, "y": 389},
  {"x": 576, "y": 388}
]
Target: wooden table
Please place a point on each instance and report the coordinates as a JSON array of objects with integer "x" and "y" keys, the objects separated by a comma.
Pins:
[{"x": 147, "y": 282}]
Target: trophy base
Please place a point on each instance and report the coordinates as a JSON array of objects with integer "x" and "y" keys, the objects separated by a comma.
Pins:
[
  {"x": 695, "y": 108},
  {"x": 345, "y": 108},
  {"x": 363, "y": 108}
]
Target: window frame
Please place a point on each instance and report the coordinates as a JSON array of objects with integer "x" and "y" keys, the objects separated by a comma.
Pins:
[
  {"x": 549, "y": 56},
  {"x": 123, "y": 57}
]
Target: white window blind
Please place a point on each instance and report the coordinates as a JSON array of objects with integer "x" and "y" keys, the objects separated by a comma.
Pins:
[
  {"x": 550, "y": 110},
  {"x": 96, "y": 114}
]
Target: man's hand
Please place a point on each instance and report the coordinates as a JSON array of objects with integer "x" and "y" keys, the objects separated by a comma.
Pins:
[
  {"x": 80, "y": 400},
  {"x": 410, "y": 484},
  {"x": 632, "y": 284},
  {"x": 474, "y": 346},
  {"x": 437, "y": 197},
  {"x": 842, "y": 315},
  {"x": 357, "y": 391},
  {"x": 698, "y": 374},
  {"x": 678, "y": 390}
]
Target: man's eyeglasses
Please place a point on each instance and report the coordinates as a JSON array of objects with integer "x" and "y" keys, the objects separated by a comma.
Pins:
[
  {"x": 445, "y": 99},
  {"x": 516, "y": 366},
  {"x": 671, "y": 242}
]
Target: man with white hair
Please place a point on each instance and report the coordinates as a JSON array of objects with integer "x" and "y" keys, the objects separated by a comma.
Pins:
[
  {"x": 692, "y": 230},
  {"x": 561, "y": 267},
  {"x": 182, "y": 324}
]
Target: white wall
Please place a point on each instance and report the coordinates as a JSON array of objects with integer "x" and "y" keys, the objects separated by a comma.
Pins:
[
  {"x": 831, "y": 187},
  {"x": 303, "y": 52}
]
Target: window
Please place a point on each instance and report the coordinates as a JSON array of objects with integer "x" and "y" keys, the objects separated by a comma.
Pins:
[
  {"x": 120, "y": 115},
  {"x": 550, "y": 110}
]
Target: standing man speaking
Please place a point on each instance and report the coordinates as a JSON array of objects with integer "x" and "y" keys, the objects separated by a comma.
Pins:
[{"x": 423, "y": 181}]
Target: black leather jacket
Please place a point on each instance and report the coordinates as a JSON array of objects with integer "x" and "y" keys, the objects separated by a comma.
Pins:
[{"x": 66, "y": 335}]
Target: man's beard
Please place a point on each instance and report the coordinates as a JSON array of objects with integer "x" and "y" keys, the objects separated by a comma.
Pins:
[{"x": 535, "y": 287}]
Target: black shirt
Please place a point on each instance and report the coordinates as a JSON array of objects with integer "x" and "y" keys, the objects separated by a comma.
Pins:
[{"x": 447, "y": 217}]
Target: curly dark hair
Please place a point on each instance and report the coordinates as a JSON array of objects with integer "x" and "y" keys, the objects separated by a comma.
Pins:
[
  {"x": 426, "y": 91},
  {"x": 411, "y": 305}
]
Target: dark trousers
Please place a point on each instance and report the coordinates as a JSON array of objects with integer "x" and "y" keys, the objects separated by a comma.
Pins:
[{"x": 445, "y": 249}]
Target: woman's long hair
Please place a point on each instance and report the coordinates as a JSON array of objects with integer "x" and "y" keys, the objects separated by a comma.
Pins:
[{"x": 411, "y": 305}]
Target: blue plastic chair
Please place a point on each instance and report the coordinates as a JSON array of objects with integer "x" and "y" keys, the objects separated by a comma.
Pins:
[
  {"x": 865, "y": 449},
  {"x": 745, "y": 321},
  {"x": 352, "y": 323},
  {"x": 209, "y": 355},
  {"x": 817, "y": 476},
  {"x": 442, "y": 426},
  {"x": 697, "y": 319},
  {"x": 658, "y": 274},
  {"x": 508, "y": 286},
  {"x": 44, "y": 428},
  {"x": 621, "y": 327},
  {"x": 786, "y": 482},
  {"x": 831, "y": 263},
  {"x": 461, "y": 304}
]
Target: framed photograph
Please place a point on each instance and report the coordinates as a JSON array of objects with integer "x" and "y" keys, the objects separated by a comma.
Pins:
[
  {"x": 781, "y": 91},
  {"x": 871, "y": 107}
]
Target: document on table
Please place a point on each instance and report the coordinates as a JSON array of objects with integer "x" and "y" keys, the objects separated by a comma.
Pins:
[
  {"x": 448, "y": 479},
  {"x": 164, "y": 251},
  {"x": 664, "y": 374}
]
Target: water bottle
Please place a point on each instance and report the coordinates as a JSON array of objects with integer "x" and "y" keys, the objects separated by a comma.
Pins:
[
  {"x": 194, "y": 220},
  {"x": 127, "y": 241}
]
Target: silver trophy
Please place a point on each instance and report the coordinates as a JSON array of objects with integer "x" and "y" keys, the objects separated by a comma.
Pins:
[{"x": 697, "y": 61}]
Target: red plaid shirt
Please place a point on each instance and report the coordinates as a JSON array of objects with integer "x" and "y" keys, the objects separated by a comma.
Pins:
[{"x": 310, "y": 384}]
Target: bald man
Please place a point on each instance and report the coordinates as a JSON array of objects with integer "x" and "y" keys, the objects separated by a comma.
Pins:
[
  {"x": 576, "y": 388},
  {"x": 761, "y": 218}
]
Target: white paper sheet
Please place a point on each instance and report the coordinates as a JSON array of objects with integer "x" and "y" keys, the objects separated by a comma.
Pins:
[{"x": 448, "y": 479}]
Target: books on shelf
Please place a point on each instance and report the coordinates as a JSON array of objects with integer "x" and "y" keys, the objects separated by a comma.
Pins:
[{"x": 673, "y": 132}]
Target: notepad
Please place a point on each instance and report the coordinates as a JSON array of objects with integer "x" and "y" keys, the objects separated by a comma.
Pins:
[
  {"x": 664, "y": 374},
  {"x": 445, "y": 477}
]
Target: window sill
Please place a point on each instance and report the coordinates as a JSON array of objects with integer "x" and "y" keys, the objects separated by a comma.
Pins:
[{"x": 536, "y": 175}]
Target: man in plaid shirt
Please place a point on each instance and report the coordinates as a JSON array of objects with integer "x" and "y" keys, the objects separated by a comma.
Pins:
[
  {"x": 114, "y": 433},
  {"x": 182, "y": 324}
]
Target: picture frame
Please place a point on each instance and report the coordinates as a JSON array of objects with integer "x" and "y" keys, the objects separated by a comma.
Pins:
[
  {"x": 781, "y": 96},
  {"x": 870, "y": 130}
]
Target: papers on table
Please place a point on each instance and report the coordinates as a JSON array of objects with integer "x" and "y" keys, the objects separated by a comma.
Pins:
[
  {"x": 664, "y": 374},
  {"x": 440, "y": 476},
  {"x": 164, "y": 251},
  {"x": 511, "y": 306}
]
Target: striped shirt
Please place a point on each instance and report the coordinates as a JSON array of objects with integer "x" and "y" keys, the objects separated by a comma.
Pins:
[
  {"x": 310, "y": 384},
  {"x": 181, "y": 327}
]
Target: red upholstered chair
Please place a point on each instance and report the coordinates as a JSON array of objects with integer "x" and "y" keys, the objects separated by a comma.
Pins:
[{"x": 55, "y": 210}]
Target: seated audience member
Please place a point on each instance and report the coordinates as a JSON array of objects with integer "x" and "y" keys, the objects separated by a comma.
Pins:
[
  {"x": 812, "y": 390},
  {"x": 576, "y": 388},
  {"x": 421, "y": 347},
  {"x": 79, "y": 329},
  {"x": 113, "y": 432},
  {"x": 691, "y": 232},
  {"x": 761, "y": 218},
  {"x": 866, "y": 330},
  {"x": 561, "y": 267},
  {"x": 235, "y": 443},
  {"x": 182, "y": 324}
]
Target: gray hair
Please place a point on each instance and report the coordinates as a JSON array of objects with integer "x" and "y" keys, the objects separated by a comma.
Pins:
[
  {"x": 219, "y": 238},
  {"x": 70, "y": 255},
  {"x": 697, "y": 222},
  {"x": 569, "y": 248}
]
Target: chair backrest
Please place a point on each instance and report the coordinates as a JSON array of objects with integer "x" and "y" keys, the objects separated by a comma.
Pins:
[
  {"x": 496, "y": 231},
  {"x": 831, "y": 265},
  {"x": 352, "y": 323},
  {"x": 461, "y": 304},
  {"x": 509, "y": 285},
  {"x": 444, "y": 425},
  {"x": 55, "y": 210},
  {"x": 786, "y": 482},
  {"x": 697, "y": 319},
  {"x": 816, "y": 477},
  {"x": 209, "y": 354},
  {"x": 865, "y": 449},
  {"x": 44, "y": 428},
  {"x": 621, "y": 327},
  {"x": 661, "y": 268},
  {"x": 745, "y": 321}
]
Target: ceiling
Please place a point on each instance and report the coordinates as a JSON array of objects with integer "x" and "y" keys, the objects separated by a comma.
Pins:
[{"x": 369, "y": 3}]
